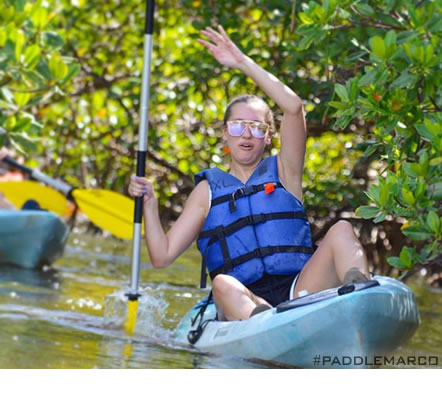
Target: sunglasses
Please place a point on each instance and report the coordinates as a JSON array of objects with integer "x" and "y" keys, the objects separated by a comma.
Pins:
[{"x": 238, "y": 127}]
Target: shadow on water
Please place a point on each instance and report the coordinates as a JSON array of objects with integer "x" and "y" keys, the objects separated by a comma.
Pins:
[{"x": 46, "y": 277}]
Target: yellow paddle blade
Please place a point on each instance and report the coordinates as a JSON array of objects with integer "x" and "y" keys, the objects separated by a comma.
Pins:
[
  {"x": 19, "y": 192},
  {"x": 110, "y": 211},
  {"x": 131, "y": 321}
]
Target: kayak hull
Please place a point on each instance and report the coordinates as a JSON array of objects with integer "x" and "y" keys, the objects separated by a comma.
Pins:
[
  {"x": 353, "y": 330},
  {"x": 31, "y": 239}
]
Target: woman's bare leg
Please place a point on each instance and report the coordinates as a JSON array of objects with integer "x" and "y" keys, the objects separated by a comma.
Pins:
[
  {"x": 232, "y": 299},
  {"x": 339, "y": 251}
]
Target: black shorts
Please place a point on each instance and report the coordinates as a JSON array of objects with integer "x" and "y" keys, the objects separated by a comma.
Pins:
[{"x": 275, "y": 289}]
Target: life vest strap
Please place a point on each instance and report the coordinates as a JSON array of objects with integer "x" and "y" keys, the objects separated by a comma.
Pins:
[
  {"x": 241, "y": 192},
  {"x": 218, "y": 234},
  {"x": 257, "y": 253}
]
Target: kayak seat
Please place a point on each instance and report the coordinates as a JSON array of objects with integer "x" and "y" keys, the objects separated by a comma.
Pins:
[{"x": 31, "y": 205}]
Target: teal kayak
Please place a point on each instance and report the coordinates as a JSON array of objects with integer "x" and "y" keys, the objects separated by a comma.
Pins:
[
  {"x": 353, "y": 326},
  {"x": 30, "y": 238}
]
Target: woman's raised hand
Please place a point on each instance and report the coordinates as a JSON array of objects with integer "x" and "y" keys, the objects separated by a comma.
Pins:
[{"x": 222, "y": 48}]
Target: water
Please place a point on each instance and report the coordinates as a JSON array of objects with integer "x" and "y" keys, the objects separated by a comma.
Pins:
[{"x": 70, "y": 315}]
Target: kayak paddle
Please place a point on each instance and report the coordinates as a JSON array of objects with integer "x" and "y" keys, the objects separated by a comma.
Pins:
[
  {"x": 18, "y": 192},
  {"x": 133, "y": 294},
  {"x": 109, "y": 210}
]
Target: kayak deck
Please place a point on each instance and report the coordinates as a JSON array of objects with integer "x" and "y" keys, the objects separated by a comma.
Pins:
[
  {"x": 349, "y": 326},
  {"x": 30, "y": 239}
]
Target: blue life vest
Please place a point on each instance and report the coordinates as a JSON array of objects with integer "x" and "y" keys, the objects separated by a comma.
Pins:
[{"x": 253, "y": 228}]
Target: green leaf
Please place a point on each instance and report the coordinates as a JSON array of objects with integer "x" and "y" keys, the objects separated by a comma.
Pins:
[
  {"x": 420, "y": 191},
  {"x": 434, "y": 127},
  {"x": 424, "y": 163},
  {"x": 338, "y": 105},
  {"x": 23, "y": 141},
  {"x": 433, "y": 221},
  {"x": 368, "y": 78},
  {"x": 424, "y": 132},
  {"x": 57, "y": 67},
  {"x": 374, "y": 193},
  {"x": 53, "y": 39},
  {"x": 354, "y": 89},
  {"x": 19, "y": 39},
  {"x": 428, "y": 57},
  {"x": 436, "y": 161},
  {"x": 364, "y": 9},
  {"x": 435, "y": 191},
  {"x": 412, "y": 169},
  {"x": 416, "y": 233},
  {"x": 384, "y": 194},
  {"x": 32, "y": 56},
  {"x": 390, "y": 39},
  {"x": 73, "y": 71},
  {"x": 43, "y": 69},
  {"x": 39, "y": 17},
  {"x": 367, "y": 212},
  {"x": 378, "y": 46},
  {"x": 405, "y": 257},
  {"x": 408, "y": 196},
  {"x": 396, "y": 262},
  {"x": 380, "y": 217},
  {"x": 3, "y": 37},
  {"x": 370, "y": 150},
  {"x": 22, "y": 98},
  {"x": 19, "y": 5},
  {"x": 404, "y": 80},
  {"x": 341, "y": 91},
  {"x": 305, "y": 18}
]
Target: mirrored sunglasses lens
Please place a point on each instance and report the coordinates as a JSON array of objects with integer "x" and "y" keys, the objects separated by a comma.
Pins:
[
  {"x": 258, "y": 130},
  {"x": 236, "y": 128}
]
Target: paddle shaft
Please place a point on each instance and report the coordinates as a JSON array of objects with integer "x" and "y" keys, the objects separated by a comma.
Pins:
[
  {"x": 40, "y": 176},
  {"x": 142, "y": 146}
]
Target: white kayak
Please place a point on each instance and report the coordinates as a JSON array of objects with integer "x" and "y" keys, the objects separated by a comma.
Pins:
[{"x": 346, "y": 327}]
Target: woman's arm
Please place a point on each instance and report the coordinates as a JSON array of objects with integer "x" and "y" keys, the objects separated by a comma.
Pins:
[
  {"x": 164, "y": 247},
  {"x": 293, "y": 127}
]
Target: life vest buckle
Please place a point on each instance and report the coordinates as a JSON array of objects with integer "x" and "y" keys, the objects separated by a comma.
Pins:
[
  {"x": 243, "y": 191},
  {"x": 259, "y": 218},
  {"x": 255, "y": 219},
  {"x": 263, "y": 251}
]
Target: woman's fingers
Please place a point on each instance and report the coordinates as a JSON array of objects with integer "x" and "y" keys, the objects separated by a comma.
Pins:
[
  {"x": 213, "y": 35},
  {"x": 219, "y": 37},
  {"x": 140, "y": 186},
  {"x": 209, "y": 45},
  {"x": 223, "y": 33}
]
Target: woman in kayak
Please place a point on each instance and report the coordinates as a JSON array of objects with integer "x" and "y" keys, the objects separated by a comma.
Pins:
[
  {"x": 4, "y": 202},
  {"x": 250, "y": 222}
]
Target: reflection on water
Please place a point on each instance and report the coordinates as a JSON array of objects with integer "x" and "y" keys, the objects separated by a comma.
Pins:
[{"x": 71, "y": 314}]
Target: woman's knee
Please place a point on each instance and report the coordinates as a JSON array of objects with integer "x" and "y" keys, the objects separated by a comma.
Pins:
[
  {"x": 339, "y": 232},
  {"x": 222, "y": 285},
  {"x": 341, "y": 227}
]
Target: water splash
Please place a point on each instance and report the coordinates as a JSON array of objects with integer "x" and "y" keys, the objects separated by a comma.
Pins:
[{"x": 151, "y": 312}]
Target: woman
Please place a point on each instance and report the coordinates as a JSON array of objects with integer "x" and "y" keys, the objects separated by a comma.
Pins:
[{"x": 238, "y": 215}]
